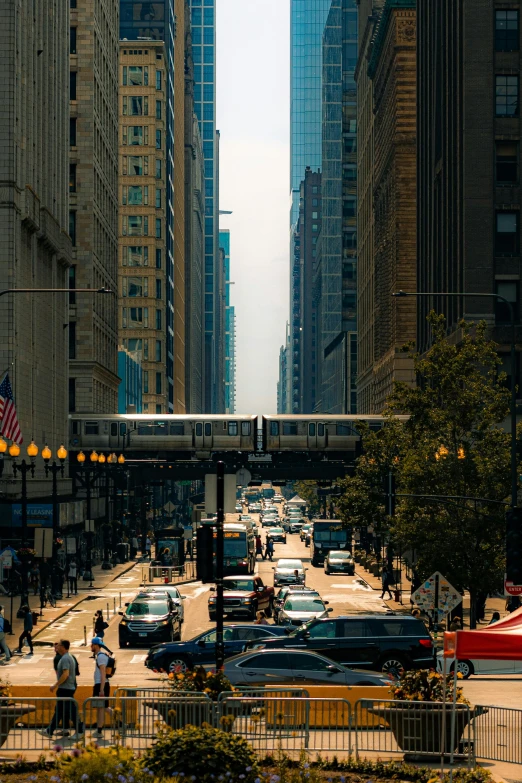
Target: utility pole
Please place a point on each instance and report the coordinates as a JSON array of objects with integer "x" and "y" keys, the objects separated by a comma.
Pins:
[{"x": 220, "y": 556}]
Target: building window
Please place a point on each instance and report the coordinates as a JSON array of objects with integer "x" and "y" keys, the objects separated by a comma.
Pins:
[
  {"x": 158, "y": 289},
  {"x": 72, "y": 284},
  {"x": 314, "y": 227},
  {"x": 314, "y": 215},
  {"x": 158, "y": 198},
  {"x": 72, "y": 339},
  {"x": 158, "y": 169},
  {"x": 158, "y": 228},
  {"x": 72, "y": 395},
  {"x": 158, "y": 383},
  {"x": 158, "y": 319},
  {"x": 135, "y": 225},
  {"x": 506, "y": 96},
  {"x": 315, "y": 202},
  {"x": 158, "y": 139},
  {"x": 134, "y": 255},
  {"x": 135, "y": 105},
  {"x": 315, "y": 189},
  {"x": 158, "y": 259},
  {"x": 135, "y": 286},
  {"x": 135, "y": 165},
  {"x": 158, "y": 80},
  {"x": 138, "y": 316},
  {"x": 158, "y": 110},
  {"x": 145, "y": 381},
  {"x": 508, "y": 289},
  {"x": 158, "y": 409},
  {"x": 72, "y": 226},
  {"x": 506, "y": 235},
  {"x": 135, "y": 75},
  {"x": 72, "y": 85},
  {"x": 72, "y": 40},
  {"x": 506, "y": 160},
  {"x": 158, "y": 350},
  {"x": 136, "y": 135},
  {"x": 72, "y": 177},
  {"x": 507, "y": 37},
  {"x": 72, "y": 132}
]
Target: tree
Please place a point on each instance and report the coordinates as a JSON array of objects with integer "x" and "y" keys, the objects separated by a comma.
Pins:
[
  {"x": 307, "y": 491},
  {"x": 457, "y": 449}
]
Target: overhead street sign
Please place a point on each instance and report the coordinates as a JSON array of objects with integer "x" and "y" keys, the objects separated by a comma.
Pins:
[{"x": 436, "y": 594}]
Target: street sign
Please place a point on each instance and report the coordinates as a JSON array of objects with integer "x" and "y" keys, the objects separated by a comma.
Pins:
[
  {"x": 211, "y": 493},
  {"x": 511, "y": 589},
  {"x": 169, "y": 507},
  {"x": 437, "y": 594},
  {"x": 6, "y": 558},
  {"x": 70, "y": 546},
  {"x": 243, "y": 477}
]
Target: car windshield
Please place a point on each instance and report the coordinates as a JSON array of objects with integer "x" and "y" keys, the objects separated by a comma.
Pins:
[
  {"x": 277, "y": 530},
  {"x": 148, "y": 607},
  {"x": 298, "y": 604},
  {"x": 290, "y": 564},
  {"x": 239, "y": 584},
  {"x": 340, "y": 556}
]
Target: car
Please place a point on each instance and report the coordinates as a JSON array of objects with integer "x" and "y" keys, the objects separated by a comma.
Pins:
[
  {"x": 243, "y": 597},
  {"x": 339, "y": 563},
  {"x": 244, "y": 517},
  {"x": 304, "y": 530},
  {"x": 166, "y": 590},
  {"x": 277, "y": 534},
  {"x": 467, "y": 667},
  {"x": 299, "y": 609},
  {"x": 308, "y": 535},
  {"x": 295, "y": 527},
  {"x": 285, "y": 572},
  {"x": 286, "y": 590},
  {"x": 239, "y": 508},
  {"x": 201, "y": 650},
  {"x": 269, "y": 522},
  {"x": 148, "y": 621},
  {"x": 295, "y": 667},
  {"x": 381, "y": 642}
]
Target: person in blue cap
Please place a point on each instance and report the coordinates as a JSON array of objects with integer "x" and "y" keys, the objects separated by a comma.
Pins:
[{"x": 101, "y": 684}]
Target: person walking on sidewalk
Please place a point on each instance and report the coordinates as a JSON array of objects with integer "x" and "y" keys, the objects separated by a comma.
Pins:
[
  {"x": 99, "y": 624},
  {"x": 386, "y": 580},
  {"x": 28, "y": 629},
  {"x": 102, "y": 685},
  {"x": 35, "y": 578},
  {"x": 3, "y": 640},
  {"x": 72, "y": 576},
  {"x": 65, "y": 687}
]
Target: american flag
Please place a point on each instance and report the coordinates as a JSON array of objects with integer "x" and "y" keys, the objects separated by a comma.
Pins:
[{"x": 8, "y": 417}]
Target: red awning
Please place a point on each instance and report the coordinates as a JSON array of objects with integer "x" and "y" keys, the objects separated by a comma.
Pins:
[{"x": 500, "y": 641}]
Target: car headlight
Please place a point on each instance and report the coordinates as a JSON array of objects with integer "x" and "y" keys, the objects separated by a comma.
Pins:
[
  {"x": 246, "y": 600},
  {"x": 212, "y": 600},
  {"x": 123, "y": 622},
  {"x": 164, "y": 622}
]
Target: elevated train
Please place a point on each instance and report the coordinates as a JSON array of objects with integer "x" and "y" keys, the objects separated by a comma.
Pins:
[{"x": 183, "y": 437}]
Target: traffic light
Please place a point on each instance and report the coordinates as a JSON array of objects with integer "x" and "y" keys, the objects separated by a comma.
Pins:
[
  {"x": 205, "y": 553},
  {"x": 514, "y": 546}
]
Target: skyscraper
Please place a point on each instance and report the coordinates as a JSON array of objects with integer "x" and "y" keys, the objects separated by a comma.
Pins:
[
  {"x": 203, "y": 18},
  {"x": 230, "y": 328},
  {"x": 307, "y": 21}
]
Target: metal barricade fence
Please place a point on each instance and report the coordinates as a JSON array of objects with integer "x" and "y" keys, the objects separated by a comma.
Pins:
[
  {"x": 154, "y": 574},
  {"x": 413, "y": 728},
  {"x": 23, "y": 719},
  {"x": 498, "y": 733},
  {"x": 289, "y": 724}
]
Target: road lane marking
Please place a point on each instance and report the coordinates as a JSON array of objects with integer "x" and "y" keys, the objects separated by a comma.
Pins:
[
  {"x": 31, "y": 659},
  {"x": 138, "y": 658}
]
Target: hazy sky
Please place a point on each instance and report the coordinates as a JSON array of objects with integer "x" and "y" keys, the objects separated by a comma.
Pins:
[{"x": 253, "y": 93}]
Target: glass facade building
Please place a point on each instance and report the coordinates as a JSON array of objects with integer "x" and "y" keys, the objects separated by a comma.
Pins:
[
  {"x": 307, "y": 22},
  {"x": 230, "y": 328},
  {"x": 203, "y": 17}
]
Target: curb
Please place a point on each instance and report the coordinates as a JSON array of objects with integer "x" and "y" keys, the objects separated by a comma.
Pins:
[{"x": 68, "y": 608}]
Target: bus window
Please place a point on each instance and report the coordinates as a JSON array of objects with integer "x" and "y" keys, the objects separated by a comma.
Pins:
[
  {"x": 245, "y": 428},
  {"x": 114, "y": 429},
  {"x": 91, "y": 427},
  {"x": 232, "y": 427},
  {"x": 289, "y": 428},
  {"x": 208, "y": 428},
  {"x": 274, "y": 428},
  {"x": 199, "y": 429},
  {"x": 311, "y": 429},
  {"x": 178, "y": 428},
  {"x": 320, "y": 430}
]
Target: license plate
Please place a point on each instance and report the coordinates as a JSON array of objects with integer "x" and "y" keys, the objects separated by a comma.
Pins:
[
  {"x": 142, "y": 634},
  {"x": 229, "y": 609}
]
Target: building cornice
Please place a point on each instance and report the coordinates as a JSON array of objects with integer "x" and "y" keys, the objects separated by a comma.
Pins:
[{"x": 382, "y": 29}]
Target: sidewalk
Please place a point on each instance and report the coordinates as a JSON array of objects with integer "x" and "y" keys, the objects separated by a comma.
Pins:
[{"x": 63, "y": 605}]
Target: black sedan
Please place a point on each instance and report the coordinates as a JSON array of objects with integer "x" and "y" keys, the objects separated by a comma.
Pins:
[
  {"x": 339, "y": 563},
  {"x": 148, "y": 620},
  {"x": 294, "y": 668},
  {"x": 201, "y": 650}
]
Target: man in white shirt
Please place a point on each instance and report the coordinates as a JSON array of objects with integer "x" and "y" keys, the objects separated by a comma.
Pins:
[
  {"x": 101, "y": 684},
  {"x": 72, "y": 575}
]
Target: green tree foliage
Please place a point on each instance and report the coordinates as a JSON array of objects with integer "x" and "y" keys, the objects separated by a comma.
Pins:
[
  {"x": 453, "y": 445},
  {"x": 307, "y": 491}
]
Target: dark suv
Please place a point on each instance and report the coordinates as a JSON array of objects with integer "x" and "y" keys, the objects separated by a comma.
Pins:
[
  {"x": 388, "y": 643},
  {"x": 149, "y": 620}
]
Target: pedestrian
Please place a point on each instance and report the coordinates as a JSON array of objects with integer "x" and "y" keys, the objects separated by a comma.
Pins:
[
  {"x": 133, "y": 547},
  {"x": 65, "y": 687},
  {"x": 26, "y": 634},
  {"x": 259, "y": 546},
  {"x": 3, "y": 641},
  {"x": 57, "y": 656},
  {"x": 495, "y": 617},
  {"x": 35, "y": 578},
  {"x": 386, "y": 579},
  {"x": 72, "y": 575},
  {"x": 101, "y": 685},
  {"x": 512, "y": 603},
  {"x": 269, "y": 548},
  {"x": 189, "y": 549},
  {"x": 148, "y": 547},
  {"x": 456, "y": 624},
  {"x": 261, "y": 618},
  {"x": 99, "y": 624}
]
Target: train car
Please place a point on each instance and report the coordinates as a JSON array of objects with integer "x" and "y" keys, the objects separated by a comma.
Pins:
[
  {"x": 172, "y": 433},
  {"x": 319, "y": 434}
]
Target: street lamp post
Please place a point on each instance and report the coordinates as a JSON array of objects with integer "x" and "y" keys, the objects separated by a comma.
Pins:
[
  {"x": 513, "y": 406},
  {"x": 54, "y": 469},
  {"x": 24, "y": 468}
]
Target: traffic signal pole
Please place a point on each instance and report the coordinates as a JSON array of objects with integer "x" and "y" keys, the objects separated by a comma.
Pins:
[{"x": 220, "y": 556}]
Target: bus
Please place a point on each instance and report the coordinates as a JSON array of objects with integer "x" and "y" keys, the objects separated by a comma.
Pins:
[
  {"x": 169, "y": 547},
  {"x": 328, "y": 535},
  {"x": 239, "y": 549}
]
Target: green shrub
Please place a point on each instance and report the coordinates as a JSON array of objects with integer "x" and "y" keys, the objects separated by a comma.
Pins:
[
  {"x": 204, "y": 752},
  {"x": 96, "y": 765}
]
